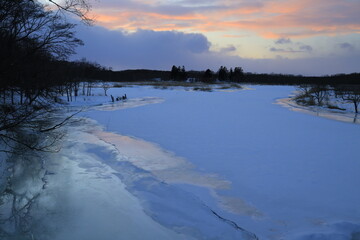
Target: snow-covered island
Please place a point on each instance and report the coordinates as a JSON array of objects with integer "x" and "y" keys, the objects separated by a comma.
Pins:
[{"x": 187, "y": 163}]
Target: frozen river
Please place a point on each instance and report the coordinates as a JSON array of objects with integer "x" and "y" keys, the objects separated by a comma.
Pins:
[
  {"x": 273, "y": 171},
  {"x": 176, "y": 164}
]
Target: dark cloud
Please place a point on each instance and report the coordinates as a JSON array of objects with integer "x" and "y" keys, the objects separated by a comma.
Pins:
[
  {"x": 306, "y": 48},
  {"x": 160, "y": 50},
  {"x": 273, "y": 49},
  {"x": 346, "y": 46},
  {"x": 301, "y": 49},
  {"x": 230, "y": 48},
  {"x": 145, "y": 48},
  {"x": 287, "y": 50},
  {"x": 283, "y": 41}
]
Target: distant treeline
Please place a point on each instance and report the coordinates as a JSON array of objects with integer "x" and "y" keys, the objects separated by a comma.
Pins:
[
  {"x": 64, "y": 72},
  {"x": 232, "y": 75},
  {"x": 281, "y": 79}
]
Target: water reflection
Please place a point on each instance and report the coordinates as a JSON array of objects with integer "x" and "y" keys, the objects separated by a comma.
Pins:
[{"x": 25, "y": 181}]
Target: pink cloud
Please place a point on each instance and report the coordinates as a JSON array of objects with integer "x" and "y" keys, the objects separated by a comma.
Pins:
[{"x": 271, "y": 19}]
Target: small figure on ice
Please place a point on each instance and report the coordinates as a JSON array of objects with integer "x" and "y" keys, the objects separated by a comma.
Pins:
[{"x": 122, "y": 98}]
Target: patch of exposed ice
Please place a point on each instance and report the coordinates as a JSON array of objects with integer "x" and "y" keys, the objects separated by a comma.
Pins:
[{"x": 163, "y": 164}]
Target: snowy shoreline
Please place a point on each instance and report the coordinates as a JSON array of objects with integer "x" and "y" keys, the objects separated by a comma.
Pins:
[{"x": 319, "y": 111}]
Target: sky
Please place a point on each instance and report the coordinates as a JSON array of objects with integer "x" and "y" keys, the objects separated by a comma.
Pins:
[{"x": 308, "y": 37}]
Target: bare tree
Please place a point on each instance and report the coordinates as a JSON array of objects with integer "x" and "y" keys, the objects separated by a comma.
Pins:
[
  {"x": 106, "y": 86},
  {"x": 80, "y": 8},
  {"x": 319, "y": 93},
  {"x": 349, "y": 94}
]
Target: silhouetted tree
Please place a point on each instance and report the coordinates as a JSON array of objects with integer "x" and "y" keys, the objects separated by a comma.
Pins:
[
  {"x": 223, "y": 74},
  {"x": 207, "y": 76},
  {"x": 231, "y": 74},
  {"x": 183, "y": 73},
  {"x": 238, "y": 74},
  {"x": 174, "y": 73},
  {"x": 178, "y": 73}
]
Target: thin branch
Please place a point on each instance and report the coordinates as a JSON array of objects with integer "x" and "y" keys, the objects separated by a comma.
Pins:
[
  {"x": 61, "y": 123},
  {"x": 79, "y": 8}
]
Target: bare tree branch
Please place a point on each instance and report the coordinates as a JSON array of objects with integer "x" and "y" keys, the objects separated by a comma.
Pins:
[
  {"x": 62, "y": 123},
  {"x": 80, "y": 8}
]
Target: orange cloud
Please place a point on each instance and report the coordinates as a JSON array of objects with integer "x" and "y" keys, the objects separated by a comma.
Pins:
[
  {"x": 106, "y": 18},
  {"x": 233, "y": 36},
  {"x": 269, "y": 19}
]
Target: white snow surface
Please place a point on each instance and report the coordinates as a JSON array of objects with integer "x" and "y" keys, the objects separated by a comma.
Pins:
[{"x": 175, "y": 164}]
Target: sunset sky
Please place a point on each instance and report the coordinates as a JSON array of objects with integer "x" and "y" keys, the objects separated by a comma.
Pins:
[{"x": 309, "y": 37}]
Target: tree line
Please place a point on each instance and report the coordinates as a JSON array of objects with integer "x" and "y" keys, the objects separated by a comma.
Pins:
[
  {"x": 237, "y": 74},
  {"x": 224, "y": 74}
]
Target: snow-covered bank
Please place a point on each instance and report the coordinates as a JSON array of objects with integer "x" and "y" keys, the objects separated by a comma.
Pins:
[{"x": 337, "y": 115}]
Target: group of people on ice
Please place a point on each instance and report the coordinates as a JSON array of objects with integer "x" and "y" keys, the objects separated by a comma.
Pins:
[{"x": 122, "y": 98}]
